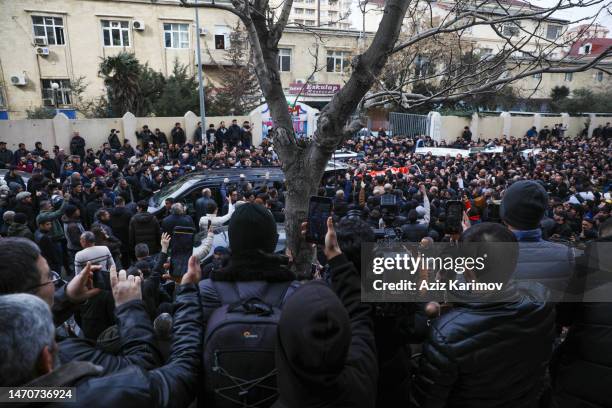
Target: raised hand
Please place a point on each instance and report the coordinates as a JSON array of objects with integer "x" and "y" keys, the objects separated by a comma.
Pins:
[
  {"x": 80, "y": 288},
  {"x": 165, "y": 242},
  {"x": 125, "y": 288},
  {"x": 194, "y": 273},
  {"x": 332, "y": 249}
]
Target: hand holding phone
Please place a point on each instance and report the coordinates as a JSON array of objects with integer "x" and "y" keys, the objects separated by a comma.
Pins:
[{"x": 319, "y": 210}]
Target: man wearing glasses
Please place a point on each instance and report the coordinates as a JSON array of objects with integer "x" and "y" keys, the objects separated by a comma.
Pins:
[{"x": 24, "y": 270}]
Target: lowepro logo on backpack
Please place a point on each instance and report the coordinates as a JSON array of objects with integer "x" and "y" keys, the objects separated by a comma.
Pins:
[{"x": 248, "y": 335}]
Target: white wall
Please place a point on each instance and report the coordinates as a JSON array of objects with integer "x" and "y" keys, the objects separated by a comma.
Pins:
[{"x": 59, "y": 130}]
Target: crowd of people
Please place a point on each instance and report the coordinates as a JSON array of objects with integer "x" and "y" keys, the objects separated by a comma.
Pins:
[{"x": 90, "y": 297}]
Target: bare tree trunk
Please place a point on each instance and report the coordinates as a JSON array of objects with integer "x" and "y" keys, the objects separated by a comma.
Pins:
[{"x": 304, "y": 161}]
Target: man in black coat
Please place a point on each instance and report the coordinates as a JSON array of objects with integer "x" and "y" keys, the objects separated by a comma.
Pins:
[
  {"x": 113, "y": 140},
  {"x": 19, "y": 153},
  {"x": 233, "y": 134},
  {"x": 176, "y": 218},
  {"x": 120, "y": 223},
  {"x": 6, "y": 156},
  {"x": 210, "y": 133},
  {"x": 49, "y": 165},
  {"x": 220, "y": 136},
  {"x": 146, "y": 136},
  {"x": 48, "y": 247},
  {"x": 77, "y": 145},
  {"x": 201, "y": 204},
  {"x": 38, "y": 149},
  {"x": 582, "y": 368},
  {"x": 178, "y": 134},
  {"x": 127, "y": 149},
  {"x": 144, "y": 228},
  {"x": 161, "y": 137},
  {"x": 325, "y": 350},
  {"x": 13, "y": 177},
  {"x": 510, "y": 332},
  {"x": 467, "y": 134}
]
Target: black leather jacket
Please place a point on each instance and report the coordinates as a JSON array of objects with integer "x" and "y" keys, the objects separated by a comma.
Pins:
[
  {"x": 487, "y": 355},
  {"x": 172, "y": 385},
  {"x": 136, "y": 337}
]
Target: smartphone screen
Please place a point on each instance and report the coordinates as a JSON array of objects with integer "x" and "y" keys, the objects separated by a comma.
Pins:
[
  {"x": 182, "y": 248},
  {"x": 319, "y": 209},
  {"x": 454, "y": 217}
]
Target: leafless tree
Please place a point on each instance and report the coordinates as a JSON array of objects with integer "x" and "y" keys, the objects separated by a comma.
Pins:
[{"x": 304, "y": 160}]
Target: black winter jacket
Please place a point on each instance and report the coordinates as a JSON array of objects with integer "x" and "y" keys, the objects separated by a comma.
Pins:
[
  {"x": 488, "y": 355},
  {"x": 144, "y": 228},
  {"x": 136, "y": 338},
  {"x": 340, "y": 371},
  {"x": 120, "y": 223},
  {"x": 582, "y": 366},
  {"x": 172, "y": 385},
  {"x": 172, "y": 221}
]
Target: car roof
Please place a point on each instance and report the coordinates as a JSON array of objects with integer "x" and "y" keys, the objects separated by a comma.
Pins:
[{"x": 251, "y": 174}]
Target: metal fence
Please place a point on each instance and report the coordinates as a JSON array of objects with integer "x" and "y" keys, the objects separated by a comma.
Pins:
[{"x": 407, "y": 124}]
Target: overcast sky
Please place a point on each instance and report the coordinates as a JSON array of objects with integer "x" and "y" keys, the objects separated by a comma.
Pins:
[{"x": 605, "y": 18}]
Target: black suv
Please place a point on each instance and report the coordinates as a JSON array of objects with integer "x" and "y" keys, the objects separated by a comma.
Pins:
[{"x": 187, "y": 189}]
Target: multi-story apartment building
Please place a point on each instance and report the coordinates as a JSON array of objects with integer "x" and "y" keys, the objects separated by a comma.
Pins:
[
  {"x": 46, "y": 42},
  {"x": 549, "y": 37},
  {"x": 321, "y": 13},
  {"x": 584, "y": 31}
]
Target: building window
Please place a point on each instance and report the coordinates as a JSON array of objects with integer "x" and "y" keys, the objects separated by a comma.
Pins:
[
  {"x": 553, "y": 31},
  {"x": 333, "y": 3},
  {"x": 309, "y": 1},
  {"x": 116, "y": 33},
  {"x": 284, "y": 59},
  {"x": 338, "y": 61},
  {"x": 587, "y": 49},
  {"x": 310, "y": 12},
  {"x": 599, "y": 76},
  {"x": 298, "y": 21},
  {"x": 222, "y": 37},
  {"x": 176, "y": 35},
  {"x": 299, "y": 11},
  {"x": 510, "y": 29},
  {"x": 49, "y": 28},
  {"x": 332, "y": 15},
  {"x": 309, "y": 22},
  {"x": 569, "y": 76},
  {"x": 538, "y": 76},
  {"x": 63, "y": 94}
]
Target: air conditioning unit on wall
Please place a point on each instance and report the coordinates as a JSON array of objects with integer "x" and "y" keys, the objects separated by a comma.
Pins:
[
  {"x": 138, "y": 25},
  {"x": 19, "y": 80},
  {"x": 42, "y": 51}
]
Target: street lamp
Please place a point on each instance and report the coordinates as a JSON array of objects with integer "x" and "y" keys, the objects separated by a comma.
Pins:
[{"x": 55, "y": 87}]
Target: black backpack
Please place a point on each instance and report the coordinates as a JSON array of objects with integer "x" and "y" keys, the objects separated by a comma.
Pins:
[{"x": 239, "y": 346}]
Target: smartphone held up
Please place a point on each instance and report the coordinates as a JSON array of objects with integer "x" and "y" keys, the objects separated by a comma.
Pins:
[{"x": 319, "y": 209}]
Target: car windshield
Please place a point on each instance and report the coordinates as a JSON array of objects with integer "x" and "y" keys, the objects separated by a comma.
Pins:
[{"x": 169, "y": 191}]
